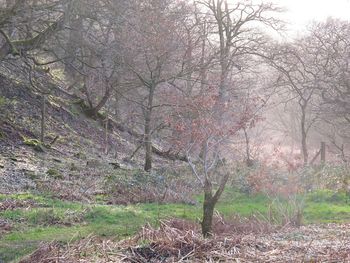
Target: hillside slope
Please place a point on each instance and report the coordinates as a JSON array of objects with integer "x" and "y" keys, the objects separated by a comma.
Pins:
[{"x": 73, "y": 160}]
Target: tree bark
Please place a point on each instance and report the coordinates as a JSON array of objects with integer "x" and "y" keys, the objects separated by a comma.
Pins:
[
  {"x": 304, "y": 135},
  {"x": 106, "y": 135},
  {"x": 323, "y": 152},
  {"x": 209, "y": 203},
  {"x": 208, "y": 213},
  {"x": 94, "y": 110},
  {"x": 74, "y": 40},
  {"x": 208, "y": 209},
  {"x": 249, "y": 161},
  {"x": 148, "y": 130}
]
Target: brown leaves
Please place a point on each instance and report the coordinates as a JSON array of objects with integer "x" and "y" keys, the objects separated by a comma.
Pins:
[
  {"x": 11, "y": 204},
  {"x": 241, "y": 240}
]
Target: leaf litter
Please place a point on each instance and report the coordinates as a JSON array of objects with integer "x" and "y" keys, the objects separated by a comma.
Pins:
[{"x": 234, "y": 240}]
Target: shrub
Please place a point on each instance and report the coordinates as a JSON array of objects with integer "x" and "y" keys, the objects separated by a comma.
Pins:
[
  {"x": 287, "y": 211},
  {"x": 137, "y": 186}
]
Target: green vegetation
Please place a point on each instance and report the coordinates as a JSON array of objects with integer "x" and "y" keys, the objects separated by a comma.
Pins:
[
  {"x": 3, "y": 101},
  {"x": 53, "y": 219},
  {"x": 36, "y": 144},
  {"x": 54, "y": 173}
]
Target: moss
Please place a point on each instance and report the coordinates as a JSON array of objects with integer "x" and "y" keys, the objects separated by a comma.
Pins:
[
  {"x": 80, "y": 102},
  {"x": 36, "y": 144},
  {"x": 54, "y": 173},
  {"x": 74, "y": 167},
  {"x": 2, "y": 135},
  {"x": 101, "y": 198},
  {"x": 73, "y": 110},
  {"x": 31, "y": 174},
  {"x": 80, "y": 155},
  {"x": 102, "y": 115},
  {"x": 3, "y": 102},
  {"x": 57, "y": 73}
]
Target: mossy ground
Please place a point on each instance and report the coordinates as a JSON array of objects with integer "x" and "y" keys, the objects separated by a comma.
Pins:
[{"x": 65, "y": 221}]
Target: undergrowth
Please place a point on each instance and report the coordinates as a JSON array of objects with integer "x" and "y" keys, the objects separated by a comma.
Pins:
[{"x": 53, "y": 219}]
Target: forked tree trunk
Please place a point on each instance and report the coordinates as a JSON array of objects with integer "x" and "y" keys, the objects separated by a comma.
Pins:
[
  {"x": 209, "y": 203},
  {"x": 93, "y": 110}
]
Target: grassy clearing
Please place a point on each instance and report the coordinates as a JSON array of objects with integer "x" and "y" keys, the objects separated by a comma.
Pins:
[{"x": 65, "y": 221}]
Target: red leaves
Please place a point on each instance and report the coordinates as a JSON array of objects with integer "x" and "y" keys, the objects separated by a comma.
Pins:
[
  {"x": 206, "y": 118},
  {"x": 277, "y": 174}
]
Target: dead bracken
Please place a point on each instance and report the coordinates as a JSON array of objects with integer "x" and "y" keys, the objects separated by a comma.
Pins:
[
  {"x": 181, "y": 241},
  {"x": 11, "y": 204}
]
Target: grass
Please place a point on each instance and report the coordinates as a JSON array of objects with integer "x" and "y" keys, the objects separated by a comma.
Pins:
[{"x": 65, "y": 221}]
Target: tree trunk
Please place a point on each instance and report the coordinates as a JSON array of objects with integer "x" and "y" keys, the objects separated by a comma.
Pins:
[
  {"x": 224, "y": 35},
  {"x": 94, "y": 110},
  {"x": 148, "y": 130},
  {"x": 304, "y": 136},
  {"x": 210, "y": 202},
  {"x": 323, "y": 152},
  {"x": 106, "y": 135},
  {"x": 249, "y": 161},
  {"x": 74, "y": 40},
  {"x": 208, "y": 213},
  {"x": 148, "y": 142}
]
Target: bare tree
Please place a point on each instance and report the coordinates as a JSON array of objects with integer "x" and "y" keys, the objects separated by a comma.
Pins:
[
  {"x": 25, "y": 26},
  {"x": 155, "y": 54},
  {"x": 299, "y": 77},
  {"x": 234, "y": 25},
  {"x": 331, "y": 48}
]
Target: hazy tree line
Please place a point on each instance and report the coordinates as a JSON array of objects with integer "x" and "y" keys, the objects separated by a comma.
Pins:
[{"x": 195, "y": 75}]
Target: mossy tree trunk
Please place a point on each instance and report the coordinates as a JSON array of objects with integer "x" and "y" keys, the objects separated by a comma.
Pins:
[
  {"x": 208, "y": 213},
  {"x": 210, "y": 201}
]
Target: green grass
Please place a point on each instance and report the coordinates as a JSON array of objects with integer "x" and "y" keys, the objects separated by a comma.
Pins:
[
  {"x": 38, "y": 224},
  {"x": 74, "y": 220}
]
